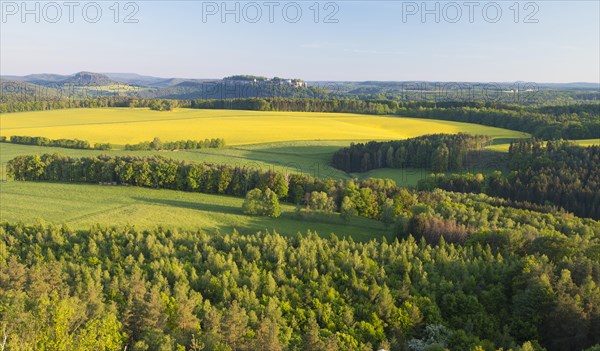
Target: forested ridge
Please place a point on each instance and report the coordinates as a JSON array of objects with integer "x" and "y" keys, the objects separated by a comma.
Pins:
[{"x": 555, "y": 172}]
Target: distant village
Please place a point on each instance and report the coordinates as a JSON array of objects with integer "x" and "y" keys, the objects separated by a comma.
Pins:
[{"x": 297, "y": 83}]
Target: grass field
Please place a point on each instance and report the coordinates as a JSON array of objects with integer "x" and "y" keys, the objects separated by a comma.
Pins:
[
  {"x": 81, "y": 206},
  {"x": 588, "y": 142},
  {"x": 409, "y": 177},
  {"x": 402, "y": 176},
  {"x": 125, "y": 126}
]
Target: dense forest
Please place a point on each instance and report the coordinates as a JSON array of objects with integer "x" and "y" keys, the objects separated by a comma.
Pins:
[
  {"x": 438, "y": 152},
  {"x": 555, "y": 172},
  {"x": 521, "y": 280}
]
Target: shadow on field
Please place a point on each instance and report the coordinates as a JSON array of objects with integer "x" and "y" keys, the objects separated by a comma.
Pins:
[
  {"x": 311, "y": 160},
  {"x": 318, "y": 151},
  {"x": 192, "y": 205}
]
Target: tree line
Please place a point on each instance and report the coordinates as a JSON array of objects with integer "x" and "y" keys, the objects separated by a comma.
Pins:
[
  {"x": 21, "y": 103},
  {"x": 438, "y": 152},
  {"x": 555, "y": 172},
  {"x": 157, "y": 144},
  {"x": 66, "y": 143},
  {"x": 300, "y": 105}
]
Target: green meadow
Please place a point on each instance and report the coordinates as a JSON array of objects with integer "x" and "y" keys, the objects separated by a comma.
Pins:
[{"x": 81, "y": 206}]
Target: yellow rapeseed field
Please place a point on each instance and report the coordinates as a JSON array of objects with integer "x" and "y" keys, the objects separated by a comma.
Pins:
[{"x": 127, "y": 126}]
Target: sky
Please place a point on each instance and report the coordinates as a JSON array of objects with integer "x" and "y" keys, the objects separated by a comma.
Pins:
[{"x": 478, "y": 41}]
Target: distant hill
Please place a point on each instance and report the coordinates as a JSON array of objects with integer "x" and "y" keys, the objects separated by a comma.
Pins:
[
  {"x": 242, "y": 86},
  {"x": 184, "y": 82},
  {"x": 150, "y": 81},
  {"x": 42, "y": 78},
  {"x": 137, "y": 79},
  {"x": 81, "y": 78},
  {"x": 9, "y": 87},
  {"x": 89, "y": 78},
  {"x": 191, "y": 83}
]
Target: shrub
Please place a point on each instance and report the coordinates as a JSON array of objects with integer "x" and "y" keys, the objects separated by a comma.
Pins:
[{"x": 261, "y": 203}]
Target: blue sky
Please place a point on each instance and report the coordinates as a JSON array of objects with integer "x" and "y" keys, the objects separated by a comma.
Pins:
[{"x": 372, "y": 40}]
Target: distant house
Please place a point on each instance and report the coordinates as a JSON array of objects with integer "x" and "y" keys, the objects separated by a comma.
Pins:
[{"x": 298, "y": 83}]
